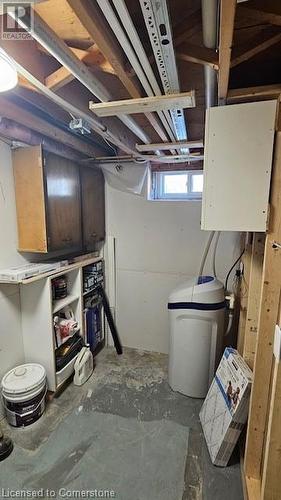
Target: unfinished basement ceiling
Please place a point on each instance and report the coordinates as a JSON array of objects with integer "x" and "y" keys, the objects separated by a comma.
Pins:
[{"x": 255, "y": 55}]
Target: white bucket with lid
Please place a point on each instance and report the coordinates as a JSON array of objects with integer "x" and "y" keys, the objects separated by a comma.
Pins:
[{"x": 24, "y": 391}]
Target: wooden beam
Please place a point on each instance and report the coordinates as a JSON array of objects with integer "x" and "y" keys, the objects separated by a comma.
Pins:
[
  {"x": 271, "y": 485},
  {"x": 92, "y": 19},
  {"x": 227, "y": 16},
  {"x": 166, "y": 167},
  {"x": 23, "y": 117},
  {"x": 253, "y": 93},
  {"x": 198, "y": 55},
  {"x": 19, "y": 133},
  {"x": 253, "y": 488},
  {"x": 243, "y": 293},
  {"x": 187, "y": 28},
  {"x": 268, "y": 317},
  {"x": 265, "y": 39},
  {"x": 161, "y": 146},
  {"x": 92, "y": 57},
  {"x": 143, "y": 104},
  {"x": 260, "y": 15},
  {"x": 38, "y": 103},
  {"x": 254, "y": 295}
]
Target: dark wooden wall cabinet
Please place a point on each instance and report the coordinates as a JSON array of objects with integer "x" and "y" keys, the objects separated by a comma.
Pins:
[{"x": 60, "y": 205}]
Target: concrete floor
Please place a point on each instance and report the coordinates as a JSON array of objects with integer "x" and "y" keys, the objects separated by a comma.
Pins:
[{"x": 125, "y": 431}]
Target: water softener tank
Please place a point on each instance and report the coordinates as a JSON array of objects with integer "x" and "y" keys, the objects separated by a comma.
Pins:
[{"x": 197, "y": 319}]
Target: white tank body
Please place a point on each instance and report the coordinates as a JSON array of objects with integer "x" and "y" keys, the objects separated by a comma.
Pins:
[{"x": 197, "y": 321}]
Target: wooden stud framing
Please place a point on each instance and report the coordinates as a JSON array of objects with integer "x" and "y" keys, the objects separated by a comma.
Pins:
[
  {"x": 155, "y": 103},
  {"x": 268, "y": 317},
  {"x": 270, "y": 486},
  {"x": 227, "y": 16},
  {"x": 244, "y": 290},
  {"x": 254, "y": 295}
]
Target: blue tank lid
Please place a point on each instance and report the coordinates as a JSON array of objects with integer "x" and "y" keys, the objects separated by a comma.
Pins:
[{"x": 204, "y": 279}]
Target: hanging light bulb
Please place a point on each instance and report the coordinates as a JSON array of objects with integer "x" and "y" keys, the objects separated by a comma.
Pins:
[{"x": 8, "y": 73}]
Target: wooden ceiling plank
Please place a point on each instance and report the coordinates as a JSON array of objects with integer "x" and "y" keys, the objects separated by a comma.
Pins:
[
  {"x": 199, "y": 55},
  {"x": 155, "y": 103},
  {"x": 253, "y": 93},
  {"x": 227, "y": 17},
  {"x": 23, "y": 117},
  {"x": 260, "y": 15},
  {"x": 187, "y": 28},
  {"x": 91, "y": 57},
  {"x": 261, "y": 42},
  {"x": 91, "y": 18}
]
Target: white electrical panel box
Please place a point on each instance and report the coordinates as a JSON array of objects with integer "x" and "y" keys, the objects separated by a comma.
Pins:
[{"x": 237, "y": 166}]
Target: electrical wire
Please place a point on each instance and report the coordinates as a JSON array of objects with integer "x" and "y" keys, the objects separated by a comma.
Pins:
[
  {"x": 110, "y": 145},
  {"x": 231, "y": 269}
]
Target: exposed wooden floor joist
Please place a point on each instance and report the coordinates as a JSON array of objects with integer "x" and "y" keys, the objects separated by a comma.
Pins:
[
  {"x": 260, "y": 15},
  {"x": 265, "y": 39},
  {"x": 20, "y": 115},
  {"x": 199, "y": 55},
  {"x": 91, "y": 18},
  {"x": 91, "y": 57},
  {"x": 252, "y": 93}
]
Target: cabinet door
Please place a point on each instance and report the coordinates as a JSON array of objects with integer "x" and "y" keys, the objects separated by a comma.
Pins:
[
  {"x": 63, "y": 203},
  {"x": 93, "y": 210},
  {"x": 30, "y": 199}
]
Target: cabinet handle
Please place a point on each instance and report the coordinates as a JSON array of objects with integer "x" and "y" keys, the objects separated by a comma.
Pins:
[{"x": 93, "y": 235}]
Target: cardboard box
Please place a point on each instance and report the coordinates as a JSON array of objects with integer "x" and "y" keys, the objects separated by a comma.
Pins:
[{"x": 225, "y": 409}]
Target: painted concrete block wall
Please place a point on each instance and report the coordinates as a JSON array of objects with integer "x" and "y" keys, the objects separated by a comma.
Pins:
[
  {"x": 11, "y": 346},
  {"x": 158, "y": 246}
]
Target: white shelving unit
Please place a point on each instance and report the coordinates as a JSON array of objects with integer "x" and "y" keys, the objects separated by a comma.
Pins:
[
  {"x": 38, "y": 310},
  {"x": 60, "y": 304}
]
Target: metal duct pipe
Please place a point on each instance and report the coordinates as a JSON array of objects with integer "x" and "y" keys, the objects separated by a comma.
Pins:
[
  {"x": 12, "y": 130},
  {"x": 209, "y": 28}
]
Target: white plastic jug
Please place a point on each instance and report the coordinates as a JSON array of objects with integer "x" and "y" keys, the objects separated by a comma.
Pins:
[{"x": 84, "y": 366}]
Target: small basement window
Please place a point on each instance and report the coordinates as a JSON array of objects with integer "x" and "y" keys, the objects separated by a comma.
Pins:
[{"x": 177, "y": 185}]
